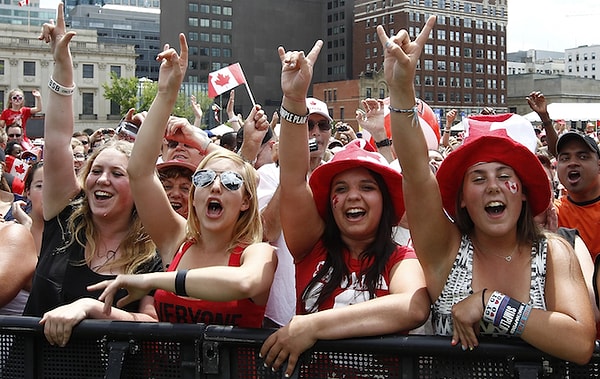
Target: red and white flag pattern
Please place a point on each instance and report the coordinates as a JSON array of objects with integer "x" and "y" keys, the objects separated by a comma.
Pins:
[
  {"x": 19, "y": 169},
  {"x": 22, "y": 3},
  {"x": 506, "y": 124},
  {"x": 223, "y": 80},
  {"x": 427, "y": 120}
]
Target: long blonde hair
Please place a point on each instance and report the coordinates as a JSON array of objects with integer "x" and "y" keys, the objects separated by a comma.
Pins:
[
  {"x": 136, "y": 248},
  {"x": 248, "y": 227}
]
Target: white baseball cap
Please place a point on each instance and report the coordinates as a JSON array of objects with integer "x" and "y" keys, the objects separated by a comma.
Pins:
[{"x": 317, "y": 106}]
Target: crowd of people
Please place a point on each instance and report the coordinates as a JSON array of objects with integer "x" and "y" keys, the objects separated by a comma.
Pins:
[{"x": 301, "y": 224}]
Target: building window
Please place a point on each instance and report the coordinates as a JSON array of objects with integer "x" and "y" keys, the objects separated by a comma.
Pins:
[
  {"x": 227, "y": 53},
  {"x": 87, "y": 103},
  {"x": 215, "y": 52},
  {"x": 193, "y": 8},
  {"x": 228, "y": 25},
  {"x": 227, "y": 11},
  {"x": 368, "y": 92},
  {"x": 204, "y": 37},
  {"x": 193, "y": 21},
  {"x": 88, "y": 71},
  {"x": 204, "y": 23},
  {"x": 116, "y": 70},
  {"x": 215, "y": 24},
  {"x": 193, "y": 36},
  {"x": 216, "y": 9},
  {"x": 28, "y": 68},
  {"x": 216, "y": 38},
  {"x": 204, "y": 8},
  {"x": 226, "y": 38},
  {"x": 2, "y": 69},
  {"x": 428, "y": 80}
]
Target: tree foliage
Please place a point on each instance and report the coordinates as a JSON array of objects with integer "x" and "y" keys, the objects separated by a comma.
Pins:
[
  {"x": 122, "y": 91},
  {"x": 133, "y": 93}
]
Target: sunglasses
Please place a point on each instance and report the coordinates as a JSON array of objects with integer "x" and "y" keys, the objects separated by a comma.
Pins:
[
  {"x": 84, "y": 142},
  {"x": 229, "y": 179},
  {"x": 173, "y": 144},
  {"x": 15, "y": 135},
  {"x": 17, "y": 97},
  {"x": 323, "y": 125}
]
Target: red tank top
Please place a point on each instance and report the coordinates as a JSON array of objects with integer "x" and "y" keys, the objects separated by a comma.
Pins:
[{"x": 175, "y": 309}]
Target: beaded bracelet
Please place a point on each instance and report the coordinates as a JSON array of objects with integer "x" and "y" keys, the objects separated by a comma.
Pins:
[
  {"x": 411, "y": 112},
  {"x": 60, "y": 89}
]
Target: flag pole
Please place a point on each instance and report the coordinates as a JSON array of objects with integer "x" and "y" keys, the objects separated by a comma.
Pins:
[{"x": 250, "y": 93}]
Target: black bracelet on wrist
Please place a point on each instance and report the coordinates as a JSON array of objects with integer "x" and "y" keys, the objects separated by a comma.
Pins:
[
  {"x": 446, "y": 131},
  {"x": 180, "y": 283},
  {"x": 384, "y": 142}
]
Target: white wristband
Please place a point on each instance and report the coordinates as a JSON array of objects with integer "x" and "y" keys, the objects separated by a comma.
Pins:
[
  {"x": 233, "y": 119},
  {"x": 59, "y": 89}
]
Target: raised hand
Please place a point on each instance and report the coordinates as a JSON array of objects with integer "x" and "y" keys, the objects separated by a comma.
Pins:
[
  {"x": 57, "y": 36},
  {"x": 401, "y": 54},
  {"x": 297, "y": 71},
  {"x": 173, "y": 66}
]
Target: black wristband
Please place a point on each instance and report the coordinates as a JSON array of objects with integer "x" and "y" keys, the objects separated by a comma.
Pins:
[
  {"x": 384, "y": 142},
  {"x": 180, "y": 283}
]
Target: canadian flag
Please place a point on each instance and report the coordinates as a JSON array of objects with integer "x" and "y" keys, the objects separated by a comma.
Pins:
[
  {"x": 22, "y": 3},
  {"x": 19, "y": 168},
  {"x": 506, "y": 124},
  {"x": 225, "y": 79}
]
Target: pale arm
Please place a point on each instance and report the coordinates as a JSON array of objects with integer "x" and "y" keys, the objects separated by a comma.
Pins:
[
  {"x": 422, "y": 198},
  {"x": 300, "y": 220},
  {"x": 18, "y": 258},
  {"x": 38, "y": 102},
  {"x": 163, "y": 224},
  {"x": 60, "y": 182},
  {"x": 59, "y": 322},
  {"x": 252, "y": 279},
  {"x": 567, "y": 329},
  {"x": 405, "y": 308}
]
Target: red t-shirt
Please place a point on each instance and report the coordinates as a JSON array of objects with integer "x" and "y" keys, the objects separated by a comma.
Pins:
[
  {"x": 353, "y": 292},
  {"x": 176, "y": 309},
  {"x": 10, "y": 116}
]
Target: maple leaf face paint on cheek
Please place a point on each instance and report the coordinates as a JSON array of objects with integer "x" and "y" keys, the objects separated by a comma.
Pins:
[
  {"x": 335, "y": 201},
  {"x": 512, "y": 186}
]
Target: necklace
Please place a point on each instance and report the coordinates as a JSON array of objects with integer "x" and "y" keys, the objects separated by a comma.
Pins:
[
  {"x": 507, "y": 258},
  {"x": 110, "y": 256}
]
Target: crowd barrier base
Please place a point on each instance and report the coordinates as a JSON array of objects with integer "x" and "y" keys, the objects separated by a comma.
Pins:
[{"x": 114, "y": 349}]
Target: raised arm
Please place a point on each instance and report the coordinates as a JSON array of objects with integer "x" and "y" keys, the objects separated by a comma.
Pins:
[
  {"x": 38, "y": 101},
  {"x": 300, "y": 220},
  {"x": 60, "y": 182},
  {"x": 422, "y": 197},
  {"x": 537, "y": 103},
  {"x": 164, "y": 225}
]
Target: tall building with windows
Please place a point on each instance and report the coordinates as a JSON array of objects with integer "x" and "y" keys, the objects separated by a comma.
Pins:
[
  {"x": 221, "y": 32},
  {"x": 583, "y": 61},
  {"x": 463, "y": 64}
]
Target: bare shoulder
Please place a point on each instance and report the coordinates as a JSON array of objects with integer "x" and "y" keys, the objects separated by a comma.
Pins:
[
  {"x": 561, "y": 255},
  {"x": 14, "y": 231}
]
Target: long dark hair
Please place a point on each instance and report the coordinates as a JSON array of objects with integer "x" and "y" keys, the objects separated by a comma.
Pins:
[{"x": 376, "y": 256}]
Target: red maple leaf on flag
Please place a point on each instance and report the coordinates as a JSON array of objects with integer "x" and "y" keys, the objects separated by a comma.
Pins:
[
  {"x": 222, "y": 80},
  {"x": 20, "y": 169}
]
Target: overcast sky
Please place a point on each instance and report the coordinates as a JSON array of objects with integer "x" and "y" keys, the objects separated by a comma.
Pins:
[{"x": 553, "y": 25}]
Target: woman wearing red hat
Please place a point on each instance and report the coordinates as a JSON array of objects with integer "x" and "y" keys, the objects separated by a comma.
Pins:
[
  {"x": 352, "y": 280},
  {"x": 491, "y": 270}
]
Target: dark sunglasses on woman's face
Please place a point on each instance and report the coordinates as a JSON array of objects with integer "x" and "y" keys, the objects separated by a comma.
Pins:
[
  {"x": 173, "y": 144},
  {"x": 229, "y": 179},
  {"x": 16, "y": 97},
  {"x": 14, "y": 135},
  {"x": 323, "y": 125}
]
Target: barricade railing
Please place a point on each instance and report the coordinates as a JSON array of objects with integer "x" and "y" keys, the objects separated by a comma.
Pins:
[{"x": 114, "y": 349}]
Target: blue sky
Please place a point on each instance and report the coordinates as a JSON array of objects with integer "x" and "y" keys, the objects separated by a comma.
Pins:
[{"x": 553, "y": 25}]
